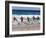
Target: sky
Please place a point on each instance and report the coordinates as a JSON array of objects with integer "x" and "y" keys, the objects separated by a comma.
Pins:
[{"x": 25, "y": 8}]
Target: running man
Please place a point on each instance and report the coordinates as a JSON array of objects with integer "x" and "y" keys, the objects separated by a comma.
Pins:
[
  {"x": 14, "y": 19},
  {"x": 28, "y": 19},
  {"x": 21, "y": 19}
]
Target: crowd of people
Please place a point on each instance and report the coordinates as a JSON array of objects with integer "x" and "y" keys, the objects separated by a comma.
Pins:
[{"x": 28, "y": 19}]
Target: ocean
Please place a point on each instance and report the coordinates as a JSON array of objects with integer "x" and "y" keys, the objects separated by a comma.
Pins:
[{"x": 25, "y": 12}]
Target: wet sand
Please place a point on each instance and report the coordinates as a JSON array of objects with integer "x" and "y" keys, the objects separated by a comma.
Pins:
[{"x": 25, "y": 27}]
